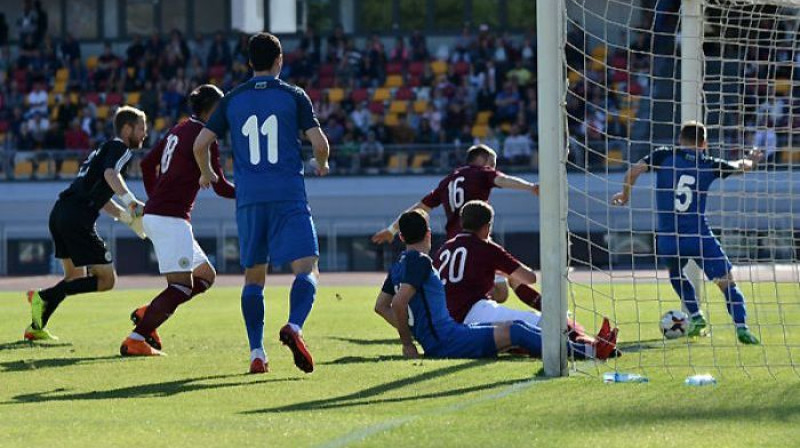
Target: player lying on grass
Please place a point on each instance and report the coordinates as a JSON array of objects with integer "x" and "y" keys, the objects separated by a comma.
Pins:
[
  {"x": 473, "y": 181},
  {"x": 420, "y": 311},
  {"x": 265, "y": 116},
  {"x": 170, "y": 176},
  {"x": 683, "y": 177},
  {"x": 86, "y": 260},
  {"x": 467, "y": 264}
]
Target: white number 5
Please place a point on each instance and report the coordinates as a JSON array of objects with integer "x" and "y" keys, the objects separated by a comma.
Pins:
[
  {"x": 268, "y": 129},
  {"x": 683, "y": 192}
]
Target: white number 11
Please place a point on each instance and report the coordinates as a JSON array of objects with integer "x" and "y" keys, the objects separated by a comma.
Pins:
[{"x": 269, "y": 129}]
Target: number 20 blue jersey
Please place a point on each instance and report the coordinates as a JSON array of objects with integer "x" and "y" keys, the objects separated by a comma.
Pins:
[
  {"x": 264, "y": 117},
  {"x": 683, "y": 178}
]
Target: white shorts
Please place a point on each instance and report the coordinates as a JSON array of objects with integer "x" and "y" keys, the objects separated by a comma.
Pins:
[
  {"x": 488, "y": 312},
  {"x": 174, "y": 243}
]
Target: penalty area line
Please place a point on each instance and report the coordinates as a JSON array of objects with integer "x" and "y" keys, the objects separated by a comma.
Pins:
[{"x": 359, "y": 435}]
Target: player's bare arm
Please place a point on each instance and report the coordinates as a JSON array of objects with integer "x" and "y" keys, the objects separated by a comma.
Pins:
[
  {"x": 524, "y": 275},
  {"x": 516, "y": 183},
  {"x": 400, "y": 309},
  {"x": 120, "y": 188},
  {"x": 116, "y": 211},
  {"x": 631, "y": 176},
  {"x": 322, "y": 150},
  {"x": 383, "y": 307},
  {"x": 203, "y": 157},
  {"x": 749, "y": 162},
  {"x": 387, "y": 235}
]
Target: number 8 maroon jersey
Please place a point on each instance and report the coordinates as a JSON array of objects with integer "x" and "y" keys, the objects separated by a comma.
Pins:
[{"x": 465, "y": 184}]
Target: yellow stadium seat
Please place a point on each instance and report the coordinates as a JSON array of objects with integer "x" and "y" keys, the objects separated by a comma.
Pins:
[
  {"x": 62, "y": 74},
  {"x": 74, "y": 98},
  {"x": 573, "y": 77},
  {"x": 23, "y": 169},
  {"x": 54, "y": 114},
  {"x": 103, "y": 112},
  {"x": 625, "y": 116},
  {"x": 60, "y": 87},
  {"x": 615, "y": 158},
  {"x": 45, "y": 169},
  {"x": 69, "y": 168},
  {"x": 51, "y": 99},
  {"x": 335, "y": 95},
  {"x": 506, "y": 127},
  {"x": 600, "y": 52},
  {"x": 92, "y": 62},
  {"x": 131, "y": 72},
  {"x": 790, "y": 155},
  {"x": 394, "y": 81},
  {"x": 783, "y": 86},
  {"x": 439, "y": 67},
  {"x": 398, "y": 107},
  {"x": 420, "y": 159},
  {"x": 160, "y": 124},
  {"x": 397, "y": 163},
  {"x": 391, "y": 120},
  {"x": 420, "y": 106},
  {"x": 381, "y": 94},
  {"x": 483, "y": 117},
  {"x": 133, "y": 98},
  {"x": 480, "y": 130}
]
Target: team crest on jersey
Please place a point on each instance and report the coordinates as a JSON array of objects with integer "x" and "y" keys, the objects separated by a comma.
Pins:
[
  {"x": 183, "y": 262},
  {"x": 108, "y": 256},
  {"x": 261, "y": 85}
]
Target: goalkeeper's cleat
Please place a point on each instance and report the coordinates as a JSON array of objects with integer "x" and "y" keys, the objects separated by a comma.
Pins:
[
  {"x": 259, "y": 365},
  {"x": 153, "y": 338},
  {"x": 38, "y": 306},
  {"x": 697, "y": 327},
  {"x": 132, "y": 347},
  {"x": 33, "y": 334},
  {"x": 606, "y": 347},
  {"x": 746, "y": 337},
  {"x": 295, "y": 342}
]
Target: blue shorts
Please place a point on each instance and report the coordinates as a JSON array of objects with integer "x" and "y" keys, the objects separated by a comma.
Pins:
[
  {"x": 465, "y": 342},
  {"x": 275, "y": 233},
  {"x": 705, "y": 250}
]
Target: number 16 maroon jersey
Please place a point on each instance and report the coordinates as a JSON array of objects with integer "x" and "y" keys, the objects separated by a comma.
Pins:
[
  {"x": 467, "y": 183},
  {"x": 170, "y": 172}
]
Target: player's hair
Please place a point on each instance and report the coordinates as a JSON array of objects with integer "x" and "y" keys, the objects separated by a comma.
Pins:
[
  {"x": 127, "y": 115},
  {"x": 475, "y": 215},
  {"x": 264, "y": 49},
  {"x": 479, "y": 150},
  {"x": 693, "y": 133},
  {"x": 203, "y": 98},
  {"x": 414, "y": 226}
]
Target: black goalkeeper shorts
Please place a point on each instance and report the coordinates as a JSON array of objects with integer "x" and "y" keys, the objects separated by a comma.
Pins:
[{"x": 72, "y": 227}]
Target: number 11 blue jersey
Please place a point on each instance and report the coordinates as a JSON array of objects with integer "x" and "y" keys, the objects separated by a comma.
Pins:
[
  {"x": 264, "y": 116},
  {"x": 683, "y": 178}
]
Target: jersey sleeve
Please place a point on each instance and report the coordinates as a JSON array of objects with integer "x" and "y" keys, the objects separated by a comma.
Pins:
[
  {"x": 306, "y": 117},
  {"x": 434, "y": 198},
  {"x": 218, "y": 123},
  {"x": 388, "y": 286},
  {"x": 222, "y": 187},
  {"x": 418, "y": 268},
  {"x": 656, "y": 158},
  {"x": 149, "y": 166},
  {"x": 723, "y": 168},
  {"x": 491, "y": 175},
  {"x": 502, "y": 260},
  {"x": 117, "y": 155}
]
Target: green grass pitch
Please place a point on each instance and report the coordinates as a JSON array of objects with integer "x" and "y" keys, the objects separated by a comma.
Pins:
[{"x": 79, "y": 392}]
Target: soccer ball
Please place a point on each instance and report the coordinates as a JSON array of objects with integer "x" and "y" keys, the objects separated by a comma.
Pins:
[{"x": 674, "y": 324}]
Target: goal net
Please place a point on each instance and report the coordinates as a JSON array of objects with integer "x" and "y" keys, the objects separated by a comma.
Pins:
[{"x": 637, "y": 69}]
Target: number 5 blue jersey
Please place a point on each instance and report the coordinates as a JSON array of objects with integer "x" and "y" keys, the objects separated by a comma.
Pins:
[
  {"x": 265, "y": 116},
  {"x": 683, "y": 178}
]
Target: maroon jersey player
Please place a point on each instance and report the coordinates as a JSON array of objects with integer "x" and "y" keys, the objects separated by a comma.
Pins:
[{"x": 171, "y": 177}]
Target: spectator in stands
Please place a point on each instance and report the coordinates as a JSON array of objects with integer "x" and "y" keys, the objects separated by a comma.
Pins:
[
  {"x": 240, "y": 53},
  {"x": 135, "y": 52},
  {"x": 24, "y": 140},
  {"x": 154, "y": 47},
  {"x": 176, "y": 53},
  {"x": 425, "y": 135},
  {"x": 149, "y": 99},
  {"x": 66, "y": 111},
  {"x": 28, "y": 52},
  {"x": 220, "y": 52},
  {"x": 53, "y": 137},
  {"x": 27, "y": 23},
  {"x": 520, "y": 74},
  {"x": 419, "y": 47},
  {"x": 173, "y": 99},
  {"x": 434, "y": 119},
  {"x": 402, "y": 133},
  {"x": 334, "y": 130},
  {"x": 517, "y": 148},
  {"x": 37, "y": 100},
  {"x": 3, "y": 30},
  {"x": 337, "y": 38},
  {"x": 507, "y": 103},
  {"x": 76, "y": 138},
  {"x": 380, "y": 130},
  {"x": 455, "y": 119},
  {"x": 351, "y": 66},
  {"x": 41, "y": 21},
  {"x": 490, "y": 140},
  {"x": 766, "y": 139},
  {"x": 348, "y": 154},
  {"x": 528, "y": 54},
  {"x": 107, "y": 66},
  {"x": 485, "y": 98},
  {"x": 70, "y": 50},
  {"x": 371, "y": 152},
  {"x": 361, "y": 116},
  {"x": 14, "y": 97},
  {"x": 400, "y": 52},
  {"x": 38, "y": 125},
  {"x": 198, "y": 49}
]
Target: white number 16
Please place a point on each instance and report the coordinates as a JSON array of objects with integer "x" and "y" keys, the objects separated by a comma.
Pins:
[{"x": 269, "y": 129}]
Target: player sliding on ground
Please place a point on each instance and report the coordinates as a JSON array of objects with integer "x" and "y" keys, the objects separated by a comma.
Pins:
[
  {"x": 474, "y": 181},
  {"x": 170, "y": 176},
  {"x": 86, "y": 260},
  {"x": 264, "y": 116},
  {"x": 683, "y": 178},
  {"x": 417, "y": 298}
]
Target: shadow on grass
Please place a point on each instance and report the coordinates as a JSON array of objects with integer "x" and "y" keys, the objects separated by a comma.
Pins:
[
  {"x": 363, "y": 359},
  {"x": 643, "y": 345},
  {"x": 34, "y": 364},
  {"x": 356, "y": 341},
  {"x": 365, "y": 397},
  {"x": 154, "y": 390},
  {"x": 17, "y": 345}
]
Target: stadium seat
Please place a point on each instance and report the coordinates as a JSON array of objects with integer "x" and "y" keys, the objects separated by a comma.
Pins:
[
  {"x": 419, "y": 160},
  {"x": 74, "y": 97},
  {"x": 414, "y": 81},
  {"x": 506, "y": 127},
  {"x": 160, "y": 124},
  {"x": 439, "y": 67},
  {"x": 62, "y": 74},
  {"x": 21, "y": 77},
  {"x": 625, "y": 116},
  {"x": 23, "y": 169},
  {"x": 783, "y": 86},
  {"x": 416, "y": 69},
  {"x": 327, "y": 71},
  {"x": 103, "y": 112},
  {"x": 391, "y": 120},
  {"x": 790, "y": 156},
  {"x": 483, "y": 117},
  {"x": 217, "y": 72},
  {"x": 404, "y": 93},
  {"x": 359, "y": 95},
  {"x": 573, "y": 77},
  {"x": 376, "y": 107},
  {"x": 92, "y": 97},
  {"x": 480, "y": 131},
  {"x": 69, "y": 168},
  {"x": 398, "y": 107},
  {"x": 335, "y": 95},
  {"x": 113, "y": 99},
  {"x": 461, "y": 68},
  {"x": 4, "y": 126},
  {"x": 92, "y": 62},
  {"x": 131, "y": 72},
  {"x": 133, "y": 98},
  {"x": 45, "y": 170},
  {"x": 615, "y": 158},
  {"x": 394, "y": 81},
  {"x": 420, "y": 106},
  {"x": 54, "y": 114},
  {"x": 314, "y": 94},
  {"x": 398, "y": 163},
  {"x": 394, "y": 68},
  {"x": 60, "y": 87},
  {"x": 326, "y": 82},
  {"x": 381, "y": 94}
]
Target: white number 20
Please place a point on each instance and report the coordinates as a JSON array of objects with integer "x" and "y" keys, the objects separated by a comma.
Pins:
[
  {"x": 268, "y": 129},
  {"x": 683, "y": 192},
  {"x": 457, "y": 261}
]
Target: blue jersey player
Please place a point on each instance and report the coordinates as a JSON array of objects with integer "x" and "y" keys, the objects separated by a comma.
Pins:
[
  {"x": 420, "y": 310},
  {"x": 265, "y": 117},
  {"x": 683, "y": 178}
]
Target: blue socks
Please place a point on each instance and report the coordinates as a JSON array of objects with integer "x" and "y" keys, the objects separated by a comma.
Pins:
[
  {"x": 301, "y": 298},
  {"x": 253, "y": 313},
  {"x": 685, "y": 290},
  {"x": 734, "y": 301},
  {"x": 527, "y": 337}
]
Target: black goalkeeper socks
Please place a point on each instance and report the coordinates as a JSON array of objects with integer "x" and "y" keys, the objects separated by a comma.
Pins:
[{"x": 55, "y": 295}]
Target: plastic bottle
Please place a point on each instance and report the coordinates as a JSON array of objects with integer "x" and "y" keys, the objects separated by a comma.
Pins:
[
  {"x": 701, "y": 380},
  {"x": 619, "y": 377}
]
